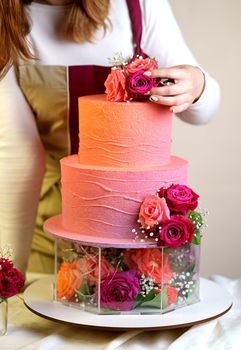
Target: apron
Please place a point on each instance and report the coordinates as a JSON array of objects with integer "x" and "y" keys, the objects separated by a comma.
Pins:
[{"x": 52, "y": 92}]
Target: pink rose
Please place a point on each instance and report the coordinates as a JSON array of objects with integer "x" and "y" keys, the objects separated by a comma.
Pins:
[
  {"x": 154, "y": 210},
  {"x": 140, "y": 64},
  {"x": 88, "y": 266},
  {"x": 150, "y": 262},
  {"x": 176, "y": 232},
  {"x": 180, "y": 198},
  {"x": 115, "y": 86},
  {"x": 138, "y": 84}
]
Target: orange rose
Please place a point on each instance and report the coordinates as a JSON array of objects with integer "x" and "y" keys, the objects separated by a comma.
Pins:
[
  {"x": 115, "y": 86},
  {"x": 149, "y": 262},
  {"x": 88, "y": 267},
  {"x": 69, "y": 279}
]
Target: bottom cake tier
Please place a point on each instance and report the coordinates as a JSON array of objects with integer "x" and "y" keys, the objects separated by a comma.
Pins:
[{"x": 114, "y": 280}]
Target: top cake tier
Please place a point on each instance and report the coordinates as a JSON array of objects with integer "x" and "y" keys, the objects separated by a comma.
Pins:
[{"x": 123, "y": 135}]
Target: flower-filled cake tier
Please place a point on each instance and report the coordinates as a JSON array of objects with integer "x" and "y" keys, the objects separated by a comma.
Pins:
[{"x": 112, "y": 280}]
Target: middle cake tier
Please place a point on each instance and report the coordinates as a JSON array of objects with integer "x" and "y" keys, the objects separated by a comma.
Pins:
[{"x": 105, "y": 202}]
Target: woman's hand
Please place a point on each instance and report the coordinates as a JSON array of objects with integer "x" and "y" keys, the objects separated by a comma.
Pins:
[{"x": 188, "y": 85}]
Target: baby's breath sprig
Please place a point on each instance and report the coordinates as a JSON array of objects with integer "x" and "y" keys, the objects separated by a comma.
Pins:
[{"x": 118, "y": 60}]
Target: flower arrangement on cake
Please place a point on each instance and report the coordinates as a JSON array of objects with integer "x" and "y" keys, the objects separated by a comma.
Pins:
[
  {"x": 169, "y": 217},
  {"x": 127, "y": 80}
]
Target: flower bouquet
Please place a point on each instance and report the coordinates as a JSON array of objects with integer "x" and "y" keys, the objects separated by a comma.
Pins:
[
  {"x": 11, "y": 282},
  {"x": 127, "y": 80}
]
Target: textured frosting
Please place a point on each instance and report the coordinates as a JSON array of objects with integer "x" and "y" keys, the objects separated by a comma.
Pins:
[
  {"x": 121, "y": 134},
  {"x": 106, "y": 201}
]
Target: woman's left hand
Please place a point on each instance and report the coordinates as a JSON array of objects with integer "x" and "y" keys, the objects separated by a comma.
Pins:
[{"x": 188, "y": 85}]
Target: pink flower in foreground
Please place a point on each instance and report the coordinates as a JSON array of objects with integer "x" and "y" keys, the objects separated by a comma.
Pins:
[{"x": 153, "y": 210}]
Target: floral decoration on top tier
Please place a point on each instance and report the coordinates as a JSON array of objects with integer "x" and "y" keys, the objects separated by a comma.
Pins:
[
  {"x": 170, "y": 217},
  {"x": 127, "y": 81}
]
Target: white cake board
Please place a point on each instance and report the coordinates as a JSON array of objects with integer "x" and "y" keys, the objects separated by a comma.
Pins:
[{"x": 215, "y": 301}]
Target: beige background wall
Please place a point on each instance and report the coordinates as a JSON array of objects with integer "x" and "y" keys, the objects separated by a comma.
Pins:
[{"x": 212, "y": 28}]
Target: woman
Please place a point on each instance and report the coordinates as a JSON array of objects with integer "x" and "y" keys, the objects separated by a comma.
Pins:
[{"x": 52, "y": 52}]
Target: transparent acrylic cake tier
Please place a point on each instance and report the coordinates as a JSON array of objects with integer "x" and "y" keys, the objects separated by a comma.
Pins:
[{"x": 120, "y": 280}]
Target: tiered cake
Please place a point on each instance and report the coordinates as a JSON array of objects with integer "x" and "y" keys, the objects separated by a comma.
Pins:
[
  {"x": 129, "y": 228},
  {"x": 128, "y": 219}
]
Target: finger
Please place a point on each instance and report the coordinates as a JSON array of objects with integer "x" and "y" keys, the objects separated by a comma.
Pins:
[
  {"x": 171, "y": 73},
  {"x": 170, "y": 100},
  {"x": 170, "y": 90},
  {"x": 180, "y": 108}
]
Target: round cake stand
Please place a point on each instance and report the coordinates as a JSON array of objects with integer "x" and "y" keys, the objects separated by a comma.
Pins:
[{"x": 215, "y": 301}]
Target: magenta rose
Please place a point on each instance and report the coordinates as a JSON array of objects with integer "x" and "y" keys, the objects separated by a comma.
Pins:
[
  {"x": 138, "y": 84},
  {"x": 180, "y": 199},
  {"x": 119, "y": 290},
  {"x": 11, "y": 279},
  {"x": 176, "y": 232},
  {"x": 153, "y": 211}
]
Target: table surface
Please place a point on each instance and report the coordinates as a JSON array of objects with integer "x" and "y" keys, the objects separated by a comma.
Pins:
[{"x": 29, "y": 331}]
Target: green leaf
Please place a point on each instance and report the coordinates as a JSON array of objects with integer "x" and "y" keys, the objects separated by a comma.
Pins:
[
  {"x": 83, "y": 292},
  {"x": 191, "y": 268},
  {"x": 159, "y": 301},
  {"x": 140, "y": 299},
  {"x": 196, "y": 237}
]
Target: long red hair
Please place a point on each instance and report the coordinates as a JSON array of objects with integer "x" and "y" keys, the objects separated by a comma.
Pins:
[{"x": 83, "y": 18}]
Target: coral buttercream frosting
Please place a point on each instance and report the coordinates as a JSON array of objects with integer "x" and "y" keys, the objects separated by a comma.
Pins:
[
  {"x": 105, "y": 201},
  {"x": 123, "y": 134}
]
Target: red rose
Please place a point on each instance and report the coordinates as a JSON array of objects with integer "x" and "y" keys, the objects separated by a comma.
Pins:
[
  {"x": 11, "y": 279},
  {"x": 180, "y": 198},
  {"x": 176, "y": 232},
  {"x": 115, "y": 86}
]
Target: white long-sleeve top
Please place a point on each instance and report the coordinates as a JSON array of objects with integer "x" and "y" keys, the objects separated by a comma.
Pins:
[{"x": 161, "y": 38}]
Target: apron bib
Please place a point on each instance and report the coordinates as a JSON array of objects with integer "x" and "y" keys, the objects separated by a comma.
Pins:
[{"x": 52, "y": 93}]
